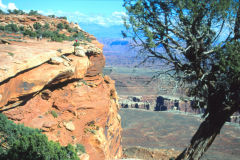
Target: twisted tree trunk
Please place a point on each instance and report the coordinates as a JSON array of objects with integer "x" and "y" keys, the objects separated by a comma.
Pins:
[{"x": 205, "y": 135}]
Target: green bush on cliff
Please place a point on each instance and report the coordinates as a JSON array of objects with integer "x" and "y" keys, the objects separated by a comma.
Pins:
[
  {"x": 37, "y": 26},
  {"x": 11, "y": 28},
  {"x": 45, "y": 32},
  {"x": 33, "y": 13},
  {"x": 16, "y": 11},
  {"x": 46, "y": 26},
  {"x": 60, "y": 26},
  {"x": 29, "y": 33},
  {"x": 18, "y": 142}
]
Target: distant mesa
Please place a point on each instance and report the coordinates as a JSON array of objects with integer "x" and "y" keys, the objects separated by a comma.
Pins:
[{"x": 122, "y": 43}]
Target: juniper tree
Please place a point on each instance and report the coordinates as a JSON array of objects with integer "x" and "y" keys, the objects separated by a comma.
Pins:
[{"x": 199, "y": 41}]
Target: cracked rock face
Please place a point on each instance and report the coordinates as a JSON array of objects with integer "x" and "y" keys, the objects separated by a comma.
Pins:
[{"x": 68, "y": 99}]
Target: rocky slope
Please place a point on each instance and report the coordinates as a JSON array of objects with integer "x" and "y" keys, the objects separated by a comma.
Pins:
[
  {"x": 28, "y": 21},
  {"x": 44, "y": 85}
]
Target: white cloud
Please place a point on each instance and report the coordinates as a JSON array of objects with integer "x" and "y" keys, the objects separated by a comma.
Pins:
[
  {"x": 2, "y": 6},
  {"x": 12, "y": 6},
  {"x": 114, "y": 18},
  {"x": 119, "y": 14}
]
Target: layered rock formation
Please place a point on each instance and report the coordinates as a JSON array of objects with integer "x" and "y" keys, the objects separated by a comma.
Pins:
[
  {"x": 165, "y": 103},
  {"x": 44, "y": 85}
]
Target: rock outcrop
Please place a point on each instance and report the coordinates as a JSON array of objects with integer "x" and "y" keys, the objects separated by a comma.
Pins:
[{"x": 44, "y": 85}]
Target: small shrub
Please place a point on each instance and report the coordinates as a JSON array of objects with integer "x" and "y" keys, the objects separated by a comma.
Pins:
[
  {"x": 46, "y": 26},
  {"x": 16, "y": 11},
  {"x": 11, "y": 28},
  {"x": 37, "y": 26},
  {"x": 60, "y": 26},
  {"x": 21, "y": 28},
  {"x": 54, "y": 114},
  {"x": 51, "y": 16},
  {"x": 33, "y": 13},
  {"x": 2, "y": 28},
  {"x": 59, "y": 50},
  {"x": 80, "y": 148},
  {"x": 66, "y": 26},
  {"x": 18, "y": 142},
  {"x": 47, "y": 34},
  {"x": 29, "y": 33},
  {"x": 64, "y": 17},
  {"x": 10, "y": 54}
]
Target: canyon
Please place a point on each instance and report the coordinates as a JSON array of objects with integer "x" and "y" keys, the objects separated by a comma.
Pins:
[
  {"x": 137, "y": 89},
  {"x": 73, "y": 100}
]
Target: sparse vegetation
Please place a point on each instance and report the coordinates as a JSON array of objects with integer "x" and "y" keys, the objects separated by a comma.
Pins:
[
  {"x": 29, "y": 33},
  {"x": 33, "y": 13},
  {"x": 59, "y": 50},
  {"x": 60, "y": 26},
  {"x": 51, "y": 16},
  {"x": 64, "y": 17},
  {"x": 10, "y": 54},
  {"x": 54, "y": 114},
  {"x": 16, "y": 11},
  {"x": 80, "y": 148},
  {"x": 11, "y": 28},
  {"x": 46, "y": 26},
  {"x": 44, "y": 31},
  {"x": 37, "y": 26},
  {"x": 20, "y": 142}
]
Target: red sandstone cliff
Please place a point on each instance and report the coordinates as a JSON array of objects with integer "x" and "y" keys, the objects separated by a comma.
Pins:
[{"x": 41, "y": 78}]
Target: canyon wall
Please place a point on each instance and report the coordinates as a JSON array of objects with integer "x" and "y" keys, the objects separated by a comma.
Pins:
[
  {"x": 165, "y": 103},
  {"x": 44, "y": 85}
]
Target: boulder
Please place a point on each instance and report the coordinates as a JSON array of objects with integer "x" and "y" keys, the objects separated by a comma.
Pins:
[
  {"x": 56, "y": 60},
  {"x": 69, "y": 126}
]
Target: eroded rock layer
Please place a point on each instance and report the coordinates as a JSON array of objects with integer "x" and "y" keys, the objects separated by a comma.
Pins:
[{"x": 62, "y": 94}]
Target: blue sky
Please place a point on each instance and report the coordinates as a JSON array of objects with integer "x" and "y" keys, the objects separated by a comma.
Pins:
[{"x": 101, "y": 12}]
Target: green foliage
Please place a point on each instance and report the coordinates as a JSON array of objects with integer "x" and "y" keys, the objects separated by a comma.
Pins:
[
  {"x": 54, "y": 114},
  {"x": 76, "y": 43},
  {"x": 16, "y": 11},
  {"x": 37, "y": 26},
  {"x": 186, "y": 32},
  {"x": 33, "y": 13},
  {"x": 46, "y": 26},
  {"x": 60, "y": 26},
  {"x": 64, "y": 17},
  {"x": 21, "y": 28},
  {"x": 51, "y": 16},
  {"x": 56, "y": 36},
  {"x": 18, "y": 142},
  {"x": 80, "y": 35},
  {"x": 45, "y": 32},
  {"x": 2, "y": 28},
  {"x": 10, "y": 54},
  {"x": 2, "y": 12},
  {"x": 80, "y": 148},
  {"x": 29, "y": 33},
  {"x": 200, "y": 42},
  {"x": 66, "y": 26},
  {"x": 11, "y": 28}
]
